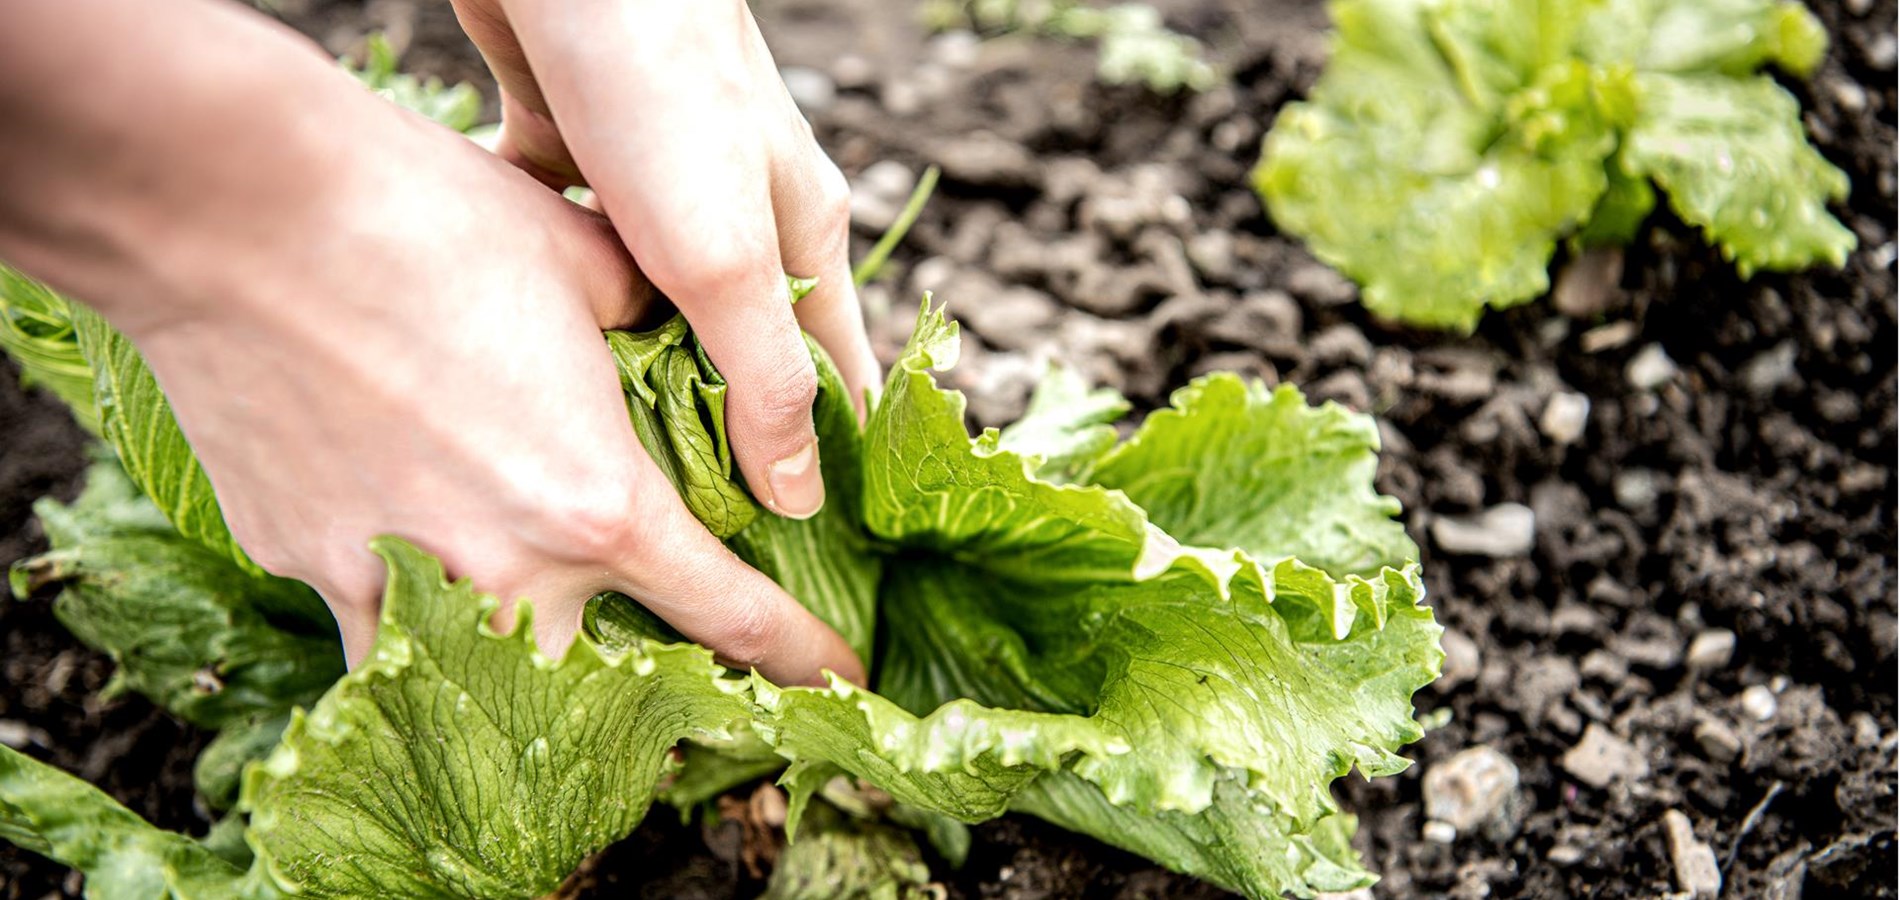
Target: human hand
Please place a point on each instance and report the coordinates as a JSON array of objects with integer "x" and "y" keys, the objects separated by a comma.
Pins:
[
  {"x": 675, "y": 115},
  {"x": 368, "y": 325}
]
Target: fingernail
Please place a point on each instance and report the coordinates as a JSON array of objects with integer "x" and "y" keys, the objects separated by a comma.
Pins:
[{"x": 797, "y": 489}]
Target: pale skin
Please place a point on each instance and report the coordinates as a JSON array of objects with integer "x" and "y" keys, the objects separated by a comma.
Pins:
[{"x": 369, "y": 325}]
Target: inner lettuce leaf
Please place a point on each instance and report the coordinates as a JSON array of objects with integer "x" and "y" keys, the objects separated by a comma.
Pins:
[
  {"x": 1173, "y": 644},
  {"x": 1450, "y": 144}
]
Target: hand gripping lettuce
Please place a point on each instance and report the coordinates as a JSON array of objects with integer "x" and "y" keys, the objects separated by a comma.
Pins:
[{"x": 1173, "y": 643}]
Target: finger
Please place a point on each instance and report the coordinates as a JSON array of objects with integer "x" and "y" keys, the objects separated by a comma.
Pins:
[
  {"x": 662, "y": 125},
  {"x": 528, "y": 137},
  {"x": 355, "y": 600},
  {"x": 529, "y": 141},
  {"x": 618, "y": 292},
  {"x": 811, "y": 203},
  {"x": 677, "y": 569}
]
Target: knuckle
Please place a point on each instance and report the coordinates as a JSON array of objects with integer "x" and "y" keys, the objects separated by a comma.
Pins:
[
  {"x": 745, "y": 633},
  {"x": 717, "y": 265},
  {"x": 834, "y": 196},
  {"x": 590, "y": 526},
  {"x": 784, "y": 393}
]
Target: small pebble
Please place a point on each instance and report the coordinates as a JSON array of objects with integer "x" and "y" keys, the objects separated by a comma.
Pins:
[
  {"x": 1635, "y": 489},
  {"x": 1771, "y": 369},
  {"x": 1565, "y": 855},
  {"x": 852, "y": 72},
  {"x": 1759, "y": 703},
  {"x": 887, "y": 179},
  {"x": 1565, "y": 417},
  {"x": 812, "y": 90},
  {"x": 1339, "y": 345},
  {"x": 1470, "y": 788},
  {"x": 1320, "y": 284},
  {"x": 1607, "y": 337},
  {"x": 984, "y": 158},
  {"x": 1650, "y": 368},
  {"x": 956, "y": 49},
  {"x": 1602, "y": 758},
  {"x": 1439, "y": 832},
  {"x": 1711, "y": 650},
  {"x": 1852, "y": 97},
  {"x": 1860, "y": 7},
  {"x": 1881, "y": 52},
  {"x": 1587, "y": 285},
  {"x": 1212, "y": 253},
  {"x": 1504, "y": 531},
  {"x": 1696, "y": 872},
  {"x": 1866, "y": 729},
  {"x": 17, "y": 734},
  {"x": 1461, "y": 659},
  {"x": 1718, "y": 741}
]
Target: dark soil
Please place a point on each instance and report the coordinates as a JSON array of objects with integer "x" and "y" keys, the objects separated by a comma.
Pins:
[{"x": 1753, "y": 490}]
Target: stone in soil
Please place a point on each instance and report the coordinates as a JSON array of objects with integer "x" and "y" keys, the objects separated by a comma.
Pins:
[
  {"x": 1470, "y": 789},
  {"x": 1712, "y": 649},
  {"x": 1587, "y": 286},
  {"x": 1719, "y": 742},
  {"x": 1504, "y": 531},
  {"x": 1564, "y": 417},
  {"x": 1650, "y": 368},
  {"x": 1759, "y": 703},
  {"x": 1461, "y": 660},
  {"x": 1694, "y": 861},
  {"x": 1602, "y": 758}
]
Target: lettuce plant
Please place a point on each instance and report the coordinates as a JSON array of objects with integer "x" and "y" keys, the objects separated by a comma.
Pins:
[
  {"x": 1451, "y": 143},
  {"x": 1172, "y": 642}
]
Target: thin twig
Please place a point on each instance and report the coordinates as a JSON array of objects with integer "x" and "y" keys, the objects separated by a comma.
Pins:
[
  {"x": 874, "y": 261},
  {"x": 1749, "y": 822}
]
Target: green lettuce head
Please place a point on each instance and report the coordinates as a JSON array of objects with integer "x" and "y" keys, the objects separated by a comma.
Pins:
[{"x": 1171, "y": 641}]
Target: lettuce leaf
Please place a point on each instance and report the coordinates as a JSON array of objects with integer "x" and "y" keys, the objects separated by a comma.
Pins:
[
  {"x": 189, "y": 628},
  {"x": 460, "y": 762},
  {"x": 841, "y": 858},
  {"x": 1451, "y": 143},
  {"x": 54, "y": 814},
  {"x": 1731, "y": 157},
  {"x": 1054, "y": 629},
  {"x": 36, "y": 329},
  {"x": 1082, "y": 630}
]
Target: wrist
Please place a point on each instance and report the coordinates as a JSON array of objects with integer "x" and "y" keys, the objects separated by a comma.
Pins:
[{"x": 160, "y": 212}]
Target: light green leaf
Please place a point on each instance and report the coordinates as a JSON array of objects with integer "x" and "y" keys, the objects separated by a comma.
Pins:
[
  {"x": 220, "y": 768},
  {"x": 1306, "y": 473},
  {"x": 136, "y": 419},
  {"x": 1147, "y": 670},
  {"x": 928, "y": 486},
  {"x": 459, "y": 107},
  {"x": 458, "y": 762},
  {"x": 1734, "y": 161},
  {"x": 1436, "y": 181},
  {"x": 36, "y": 329},
  {"x": 677, "y": 401},
  {"x": 54, "y": 814},
  {"x": 1234, "y": 843},
  {"x": 842, "y": 858},
  {"x": 679, "y": 412},
  {"x": 1450, "y": 143},
  {"x": 188, "y": 628},
  {"x": 1067, "y": 426},
  {"x": 1728, "y": 37}
]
